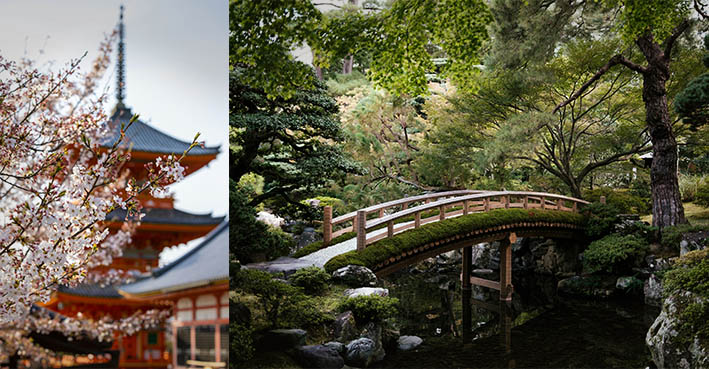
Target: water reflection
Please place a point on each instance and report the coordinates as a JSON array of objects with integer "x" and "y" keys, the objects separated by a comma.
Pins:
[{"x": 537, "y": 329}]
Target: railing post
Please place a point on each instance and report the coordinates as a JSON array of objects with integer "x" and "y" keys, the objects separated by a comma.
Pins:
[
  {"x": 417, "y": 219},
  {"x": 558, "y": 204},
  {"x": 506, "y": 201},
  {"x": 361, "y": 230},
  {"x": 405, "y": 206},
  {"x": 441, "y": 212},
  {"x": 466, "y": 205},
  {"x": 486, "y": 201},
  {"x": 327, "y": 225},
  {"x": 381, "y": 212},
  {"x": 574, "y": 206},
  {"x": 526, "y": 201},
  {"x": 544, "y": 202},
  {"x": 390, "y": 228}
]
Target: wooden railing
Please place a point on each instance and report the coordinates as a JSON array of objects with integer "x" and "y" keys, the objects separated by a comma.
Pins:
[{"x": 468, "y": 201}]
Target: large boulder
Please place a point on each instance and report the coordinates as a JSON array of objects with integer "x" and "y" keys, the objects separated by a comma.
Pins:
[
  {"x": 360, "y": 353},
  {"x": 670, "y": 343},
  {"x": 407, "y": 343},
  {"x": 366, "y": 291},
  {"x": 345, "y": 327},
  {"x": 355, "y": 276},
  {"x": 318, "y": 356},
  {"x": 283, "y": 338}
]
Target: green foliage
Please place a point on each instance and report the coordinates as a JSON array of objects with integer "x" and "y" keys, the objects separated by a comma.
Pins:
[
  {"x": 262, "y": 34},
  {"x": 623, "y": 200},
  {"x": 411, "y": 239},
  {"x": 290, "y": 143},
  {"x": 600, "y": 219},
  {"x": 403, "y": 39},
  {"x": 248, "y": 237},
  {"x": 672, "y": 236},
  {"x": 283, "y": 305},
  {"x": 342, "y": 84},
  {"x": 615, "y": 254},
  {"x": 241, "y": 346},
  {"x": 641, "y": 230},
  {"x": 660, "y": 17},
  {"x": 690, "y": 184},
  {"x": 313, "y": 280},
  {"x": 702, "y": 196},
  {"x": 373, "y": 308},
  {"x": 690, "y": 273}
]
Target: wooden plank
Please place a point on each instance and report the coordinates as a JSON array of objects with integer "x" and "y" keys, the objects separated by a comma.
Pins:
[{"x": 485, "y": 283}]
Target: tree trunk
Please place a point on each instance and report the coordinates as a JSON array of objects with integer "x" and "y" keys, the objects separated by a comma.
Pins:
[{"x": 667, "y": 209}]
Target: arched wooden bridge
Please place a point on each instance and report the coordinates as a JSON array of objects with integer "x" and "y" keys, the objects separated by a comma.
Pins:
[{"x": 413, "y": 212}]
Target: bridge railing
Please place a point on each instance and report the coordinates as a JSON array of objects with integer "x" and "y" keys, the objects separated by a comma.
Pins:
[
  {"x": 448, "y": 204},
  {"x": 349, "y": 220}
]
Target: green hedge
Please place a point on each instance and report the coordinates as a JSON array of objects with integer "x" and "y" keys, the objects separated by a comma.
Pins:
[
  {"x": 615, "y": 254},
  {"x": 388, "y": 247},
  {"x": 373, "y": 308},
  {"x": 315, "y": 246}
]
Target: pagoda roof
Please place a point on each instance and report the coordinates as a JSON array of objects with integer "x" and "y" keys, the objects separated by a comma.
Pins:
[
  {"x": 140, "y": 136},
  {"x": 92, "y": 290},
  {"x": 204, "y": 264},
  {"x": 167, "y": 216}
]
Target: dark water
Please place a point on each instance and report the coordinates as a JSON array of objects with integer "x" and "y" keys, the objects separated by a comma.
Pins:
[{"x": 538, "y": 330}]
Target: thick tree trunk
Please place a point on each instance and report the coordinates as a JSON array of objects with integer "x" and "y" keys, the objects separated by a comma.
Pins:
[{"x": 667, "y": 209}]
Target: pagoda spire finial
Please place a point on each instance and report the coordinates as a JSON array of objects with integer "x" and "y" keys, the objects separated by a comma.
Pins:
[{"x": 120, "y": 95}]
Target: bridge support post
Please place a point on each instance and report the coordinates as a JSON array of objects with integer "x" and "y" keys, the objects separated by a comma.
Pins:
[
  {"x": 361, "y": 229},
  {"x": 467, "y": 292},
  {"x": 506, "y": 267},
  {"x": 327, "y": 225}
]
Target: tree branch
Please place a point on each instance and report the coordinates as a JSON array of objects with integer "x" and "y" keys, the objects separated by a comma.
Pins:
[
  {"x": 615, "y": 60},
  {"x": 676, "y": 32}
]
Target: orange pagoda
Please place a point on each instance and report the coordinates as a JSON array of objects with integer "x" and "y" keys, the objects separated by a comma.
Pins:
[{"x": 162, "y": 226}]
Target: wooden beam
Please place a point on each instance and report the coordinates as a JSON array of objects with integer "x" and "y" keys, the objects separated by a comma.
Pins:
[
  {"x": 485, "y": 283},
  {"x": 327, "y": 225}
]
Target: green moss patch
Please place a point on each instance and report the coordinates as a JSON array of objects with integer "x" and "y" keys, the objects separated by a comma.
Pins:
[{"x": 405, "y": 241}]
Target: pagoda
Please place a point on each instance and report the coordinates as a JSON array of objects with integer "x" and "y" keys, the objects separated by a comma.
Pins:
[{"x": 161, "y": 227}]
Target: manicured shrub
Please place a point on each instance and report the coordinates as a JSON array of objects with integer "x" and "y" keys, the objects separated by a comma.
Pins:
[
  {"x": 600, "y": 219},
  {"x": 313, "y": 280},
  {"x": 624, "y": 200},
  {"x": 615, "y": 254},
  {"x": 642, "y": 230},
  {"x": 283, "y": 305},
  {"x": 241, "y": 346},
  {"x": 372, "y": 308}
]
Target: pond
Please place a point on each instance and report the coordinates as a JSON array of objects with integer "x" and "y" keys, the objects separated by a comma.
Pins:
[{"x": 538, "y": 329}]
